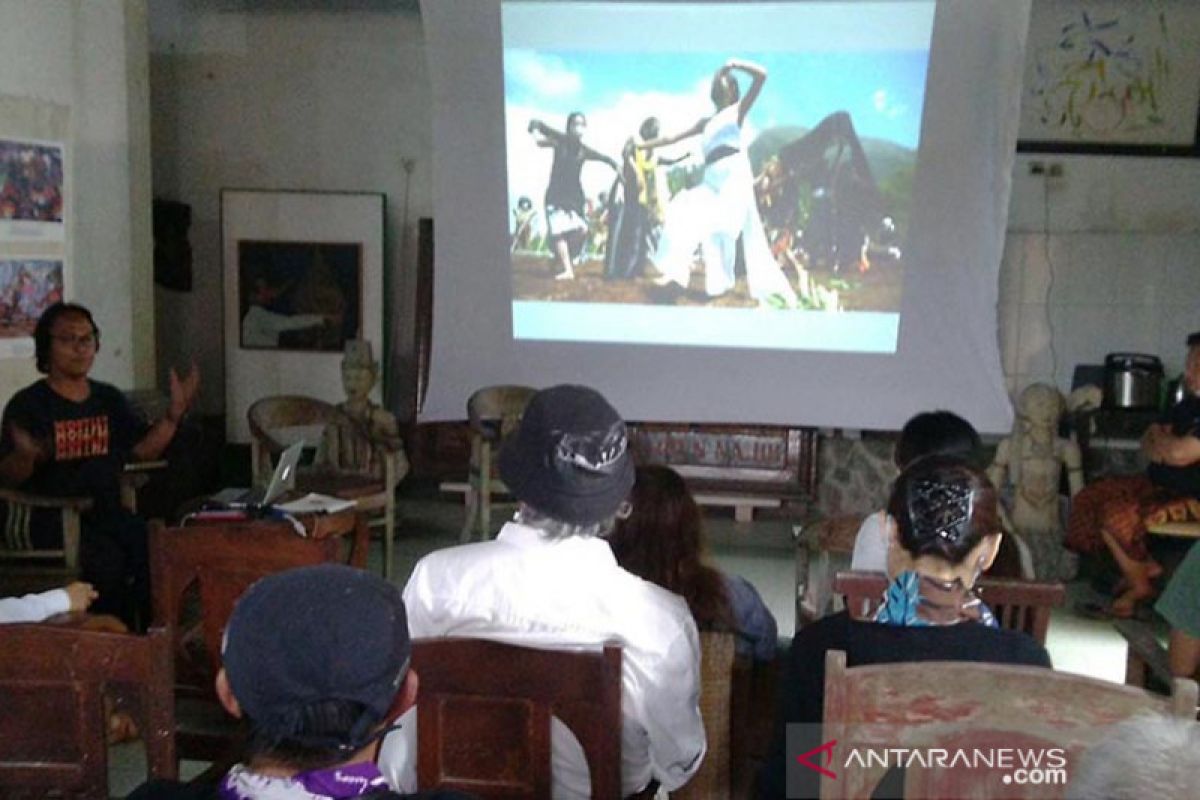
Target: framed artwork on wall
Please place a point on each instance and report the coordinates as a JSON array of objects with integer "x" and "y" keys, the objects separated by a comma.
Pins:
[
  {"x": 299, "y": 295},
  {"x": 303, "y": 274},
  {"x": 1112, "y": 77}
]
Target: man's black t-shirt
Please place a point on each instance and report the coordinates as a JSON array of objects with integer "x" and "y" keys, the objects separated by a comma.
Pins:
[
  {"x": 86, "y": 443},
  {"x": 1184, "y": 419}
]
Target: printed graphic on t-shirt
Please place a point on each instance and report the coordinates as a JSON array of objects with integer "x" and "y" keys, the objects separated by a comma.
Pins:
[{"x": 80, "y": 438}]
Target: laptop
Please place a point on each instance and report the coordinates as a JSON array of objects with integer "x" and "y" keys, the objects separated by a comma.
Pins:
[{"x": 282, "y": 479}]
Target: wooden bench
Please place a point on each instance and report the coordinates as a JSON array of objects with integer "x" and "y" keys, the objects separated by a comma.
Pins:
[
  {"x": 743, "y": 505},
  {"x": 1147, "y": 657}
]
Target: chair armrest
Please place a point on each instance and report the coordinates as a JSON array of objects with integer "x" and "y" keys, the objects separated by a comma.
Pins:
[
  {"x": 42, "y": 501},
  {"x": 139, "y": 467},
  {"x": 395, "y": 465}
]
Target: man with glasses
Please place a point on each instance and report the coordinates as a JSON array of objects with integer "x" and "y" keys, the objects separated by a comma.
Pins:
[{"x": 70, "y": 436}]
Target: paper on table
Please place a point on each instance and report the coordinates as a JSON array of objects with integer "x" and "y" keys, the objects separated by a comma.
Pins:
[{"x": 313, "y": 503}]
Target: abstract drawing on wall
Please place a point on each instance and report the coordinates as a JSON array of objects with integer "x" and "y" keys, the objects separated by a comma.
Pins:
[
  {"x": 31, "y": 190},
  {"x": 27, "y": 287},
  {"x": 1112, "y": 73},
  {"x": 299, "y": 295}
]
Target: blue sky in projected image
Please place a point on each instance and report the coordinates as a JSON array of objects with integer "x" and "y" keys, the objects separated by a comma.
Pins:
[{"x": 883, "y": 90}]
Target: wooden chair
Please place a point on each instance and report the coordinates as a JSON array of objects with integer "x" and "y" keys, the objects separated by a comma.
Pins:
[
  {"x": 1018, "y": 605},
  {"x": 214, "y": 564},
  {"x": 965, "y": 705},
  {"x": 53, "y": 683},
  {"x": 753, "y": 704},
  {"x": 366, "y": 472},
  {"x": 487, "y": 730},
  {"x": 493, "y": 413},
  {"x": 713, "y": 779},
  {"x": 25, "y": 568}
]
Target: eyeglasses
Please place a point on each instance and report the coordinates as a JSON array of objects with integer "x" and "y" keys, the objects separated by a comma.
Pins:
[{"x": 87, "y": 340}]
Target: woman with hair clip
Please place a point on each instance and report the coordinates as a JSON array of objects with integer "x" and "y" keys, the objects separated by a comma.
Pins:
[
  {"x": 714, "y": 214},
  {"x": 943, "y": 532},
  {"x": 661, "y": 542}
]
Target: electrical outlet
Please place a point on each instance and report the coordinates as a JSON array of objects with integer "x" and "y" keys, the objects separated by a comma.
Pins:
[
  {"x": 1037, "y": 168},
  {"x": 1054, "y": 170}
]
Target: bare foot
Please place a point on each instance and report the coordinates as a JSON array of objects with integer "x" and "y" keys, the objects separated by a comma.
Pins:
[
  {"x": 1126, "y": 605},
  {"x": 565, "y": 276}
]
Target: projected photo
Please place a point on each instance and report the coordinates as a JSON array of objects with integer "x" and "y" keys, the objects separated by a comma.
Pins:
[
  {"x": 27, "y": 288},
  {"x": 685, "y": 175},
  {"x": 299, "y": 295}
]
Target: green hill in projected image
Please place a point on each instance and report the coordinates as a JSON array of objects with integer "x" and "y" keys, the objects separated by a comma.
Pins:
[
  {"x": 892, "y": 165},
  {"x": 887, "y": 159}
]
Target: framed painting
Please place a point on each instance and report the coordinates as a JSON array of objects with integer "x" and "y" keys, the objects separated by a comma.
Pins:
[
  {"x": 303, "y": 276},
  {"x": 299, "y": 295},
  {"x": 1112, "y": 77}
]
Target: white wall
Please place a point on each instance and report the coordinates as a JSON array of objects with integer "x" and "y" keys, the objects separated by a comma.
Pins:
[
  {"x": 90, "y": 57},
  {"x": 1104, "y": 259},
  {"x": 283, "y": 100},
  {"x": 335, "y": 100}
]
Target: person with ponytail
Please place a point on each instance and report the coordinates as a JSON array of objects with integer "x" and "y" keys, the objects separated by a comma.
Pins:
[{"x": 943, "y": 533}]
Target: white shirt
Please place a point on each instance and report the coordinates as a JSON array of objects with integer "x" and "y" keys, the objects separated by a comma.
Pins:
[
  {"x": 523, "y": 588},
  {"x": 871, "y": 544},
  {"x": 34, "y": 607}
]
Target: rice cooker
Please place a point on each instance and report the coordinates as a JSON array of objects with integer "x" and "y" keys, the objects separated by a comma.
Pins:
[{"x": 1132, "y": 380}]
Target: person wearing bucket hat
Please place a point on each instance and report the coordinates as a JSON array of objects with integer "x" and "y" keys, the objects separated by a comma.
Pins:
[
  {"x": 550, "y": 579},
  {"x": 316, "y": 659}
]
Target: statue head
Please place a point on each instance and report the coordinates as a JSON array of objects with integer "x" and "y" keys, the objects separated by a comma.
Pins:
[
  {"x": 359, "y": 369},
  {"x": 1040, "y": 405}
]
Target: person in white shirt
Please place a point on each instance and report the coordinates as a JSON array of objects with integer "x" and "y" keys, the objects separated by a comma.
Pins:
[
  {"x": 928, "y": 433},
  {"x": 75, "y": 596},
  {"x": 550, "y": 580}
]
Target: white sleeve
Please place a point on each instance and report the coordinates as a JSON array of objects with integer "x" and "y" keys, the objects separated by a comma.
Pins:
[
  {"x": 670, "y": 712},
  {"x": 871, "y": 545},
  {"x": 34, "y": 607},
  {"x": 424, "y": 619}
]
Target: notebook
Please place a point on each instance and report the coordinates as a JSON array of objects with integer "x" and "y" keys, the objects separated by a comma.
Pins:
[{"x": 282, "y": 480}]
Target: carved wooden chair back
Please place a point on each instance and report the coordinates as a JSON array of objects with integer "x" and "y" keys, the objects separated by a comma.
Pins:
[
  {"x": 969, "y": 705},
  {"x": 1018, "y": 605},
  {"x": 493, "y": 412},
  {"x": 54, "y": 680},
  {"x": 713, "y": 779},
  {"x": 197, "y": 573},
  {"x": 484, "y": 715}
]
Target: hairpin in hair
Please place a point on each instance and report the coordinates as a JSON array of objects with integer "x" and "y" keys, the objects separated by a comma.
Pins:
[{"x": 941, "y": 508}]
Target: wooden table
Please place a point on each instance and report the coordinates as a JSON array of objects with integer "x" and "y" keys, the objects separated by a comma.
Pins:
[{"x": 348, "y": 523}]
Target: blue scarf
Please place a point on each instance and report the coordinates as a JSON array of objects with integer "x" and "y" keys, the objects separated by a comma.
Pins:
[{"x": 913, "y": 600}]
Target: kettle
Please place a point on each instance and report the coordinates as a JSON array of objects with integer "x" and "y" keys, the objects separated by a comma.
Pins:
[{"x": 1132, "y": 380}]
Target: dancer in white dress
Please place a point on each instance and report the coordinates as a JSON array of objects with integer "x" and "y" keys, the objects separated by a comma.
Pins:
[{"x": 713, "y": 214}]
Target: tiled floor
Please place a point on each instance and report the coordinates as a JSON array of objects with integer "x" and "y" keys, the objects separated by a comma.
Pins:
[{"x": 761, "y": 552}]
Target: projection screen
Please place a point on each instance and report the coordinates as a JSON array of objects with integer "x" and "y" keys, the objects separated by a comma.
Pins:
[{"x": 768, "y": 212}]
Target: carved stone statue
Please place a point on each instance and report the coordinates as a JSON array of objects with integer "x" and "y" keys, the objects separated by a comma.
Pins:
[
  {"x": 1032, "y": 460},
  {"x": 377, "y": 427}
]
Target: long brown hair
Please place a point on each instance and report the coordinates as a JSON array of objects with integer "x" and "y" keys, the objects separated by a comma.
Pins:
[{"x": 661, "y": 542}]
